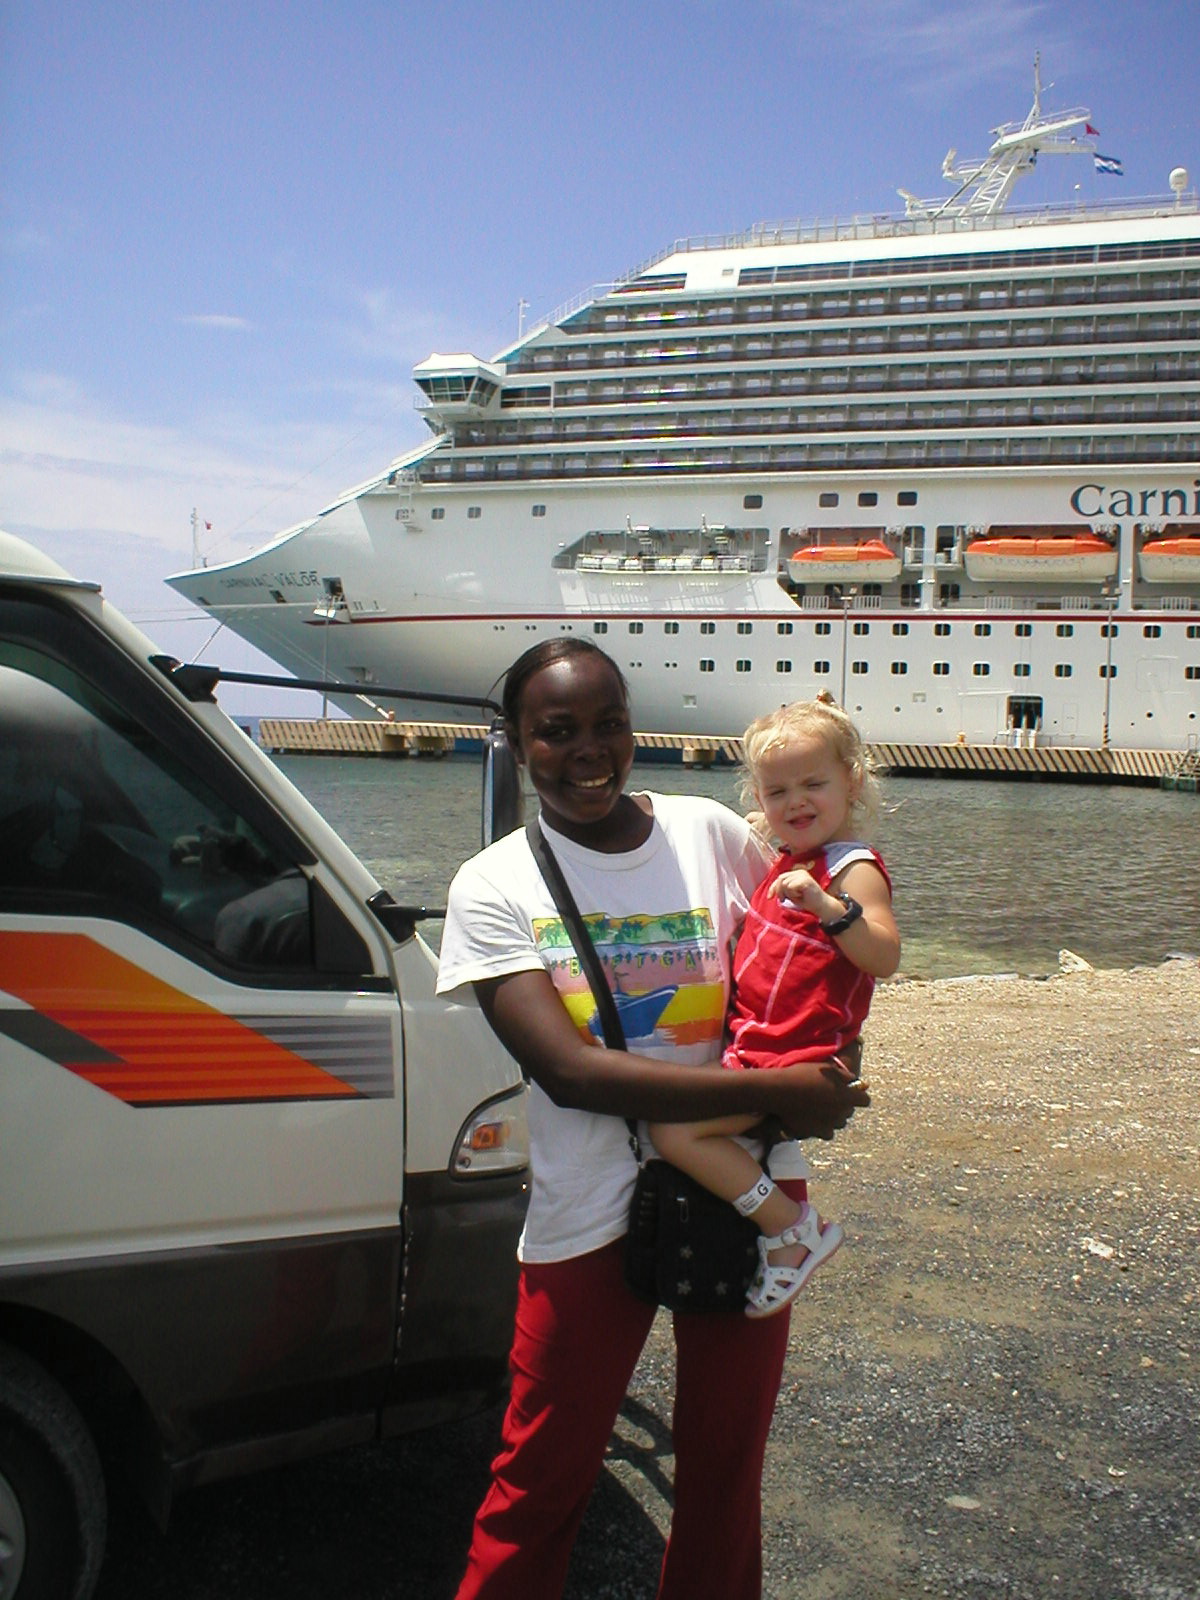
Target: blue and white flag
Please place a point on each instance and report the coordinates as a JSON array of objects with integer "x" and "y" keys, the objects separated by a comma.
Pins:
[{"x": 1108, "y": 164}]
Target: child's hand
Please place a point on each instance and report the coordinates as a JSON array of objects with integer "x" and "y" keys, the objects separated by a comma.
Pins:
[{"x": 800, "y": 888}]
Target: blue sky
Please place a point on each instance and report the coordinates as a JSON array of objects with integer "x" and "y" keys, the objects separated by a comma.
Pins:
[{"x": 229, "y": 231}]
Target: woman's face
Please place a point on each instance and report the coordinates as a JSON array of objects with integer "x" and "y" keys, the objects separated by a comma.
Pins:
[{"x": 575, "y": 739}]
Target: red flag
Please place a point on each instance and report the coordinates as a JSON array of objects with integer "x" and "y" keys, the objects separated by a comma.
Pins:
[{"x": 1089, "y": 129}]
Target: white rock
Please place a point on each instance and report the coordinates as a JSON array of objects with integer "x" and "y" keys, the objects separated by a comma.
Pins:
[{"x": 1068, "y": 961}]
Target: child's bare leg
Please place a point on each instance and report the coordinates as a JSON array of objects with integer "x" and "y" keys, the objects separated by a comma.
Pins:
[{"x": 708, "y": 1152}]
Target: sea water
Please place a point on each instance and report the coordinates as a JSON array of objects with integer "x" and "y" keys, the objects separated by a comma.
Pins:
[{"x": 988, "y": 876}]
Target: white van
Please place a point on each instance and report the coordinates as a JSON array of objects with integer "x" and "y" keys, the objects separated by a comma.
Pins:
[{"x": 260, "y": 1188}]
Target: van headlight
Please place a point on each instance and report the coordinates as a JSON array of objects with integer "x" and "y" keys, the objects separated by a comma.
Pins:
[{"x": 494, "y": 1139}]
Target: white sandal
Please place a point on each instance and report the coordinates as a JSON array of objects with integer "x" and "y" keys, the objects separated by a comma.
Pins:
[{"x": 774, "y": 1288}]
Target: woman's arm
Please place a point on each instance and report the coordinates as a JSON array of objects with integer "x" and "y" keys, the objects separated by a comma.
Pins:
[{"x": 812, "y": 1099}]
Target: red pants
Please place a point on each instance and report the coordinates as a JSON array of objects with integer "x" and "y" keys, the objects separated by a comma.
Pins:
[{"x": 578, "y": 1336}]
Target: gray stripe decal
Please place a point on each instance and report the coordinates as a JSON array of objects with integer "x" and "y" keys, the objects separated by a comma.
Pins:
[
  {"x": 358, "y": 1050},
  {"x": 48, "y": 1038}
]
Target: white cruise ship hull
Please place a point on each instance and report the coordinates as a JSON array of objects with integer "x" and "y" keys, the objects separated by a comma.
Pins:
[{"x": 446, "y": 606}]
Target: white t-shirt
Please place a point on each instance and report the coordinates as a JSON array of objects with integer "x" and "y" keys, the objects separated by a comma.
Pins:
[{"x": 662, "y": 918}]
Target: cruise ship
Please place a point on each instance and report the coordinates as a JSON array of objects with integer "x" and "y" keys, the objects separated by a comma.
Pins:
[{"x": 944, "y": 464}]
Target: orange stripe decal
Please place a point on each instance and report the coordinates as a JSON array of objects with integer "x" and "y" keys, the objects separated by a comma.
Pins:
[{"x": 169, "y": 1048}]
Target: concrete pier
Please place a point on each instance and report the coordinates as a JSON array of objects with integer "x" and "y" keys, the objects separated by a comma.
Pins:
[{"x": 341, "y": 736}]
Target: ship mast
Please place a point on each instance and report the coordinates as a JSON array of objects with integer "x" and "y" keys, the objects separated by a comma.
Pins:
[
  {"x": 196, "y": 559},
  {"x": 984, "y": 184}
]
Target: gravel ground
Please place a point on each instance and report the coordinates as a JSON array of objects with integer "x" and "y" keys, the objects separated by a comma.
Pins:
[{"x": 991, "y": 1391}]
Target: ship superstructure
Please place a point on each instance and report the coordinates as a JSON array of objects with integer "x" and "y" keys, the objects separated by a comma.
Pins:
[{"x": 944, "y": 464}]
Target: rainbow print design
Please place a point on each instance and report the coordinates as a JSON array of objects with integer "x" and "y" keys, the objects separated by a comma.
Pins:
[{"x": 665, "y": 973}]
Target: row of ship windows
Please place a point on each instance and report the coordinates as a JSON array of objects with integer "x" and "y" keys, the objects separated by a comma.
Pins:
[
  {"x": 1175, "y": 367},
  {"x": 902, "y": 266},
  {"x": 941, "y": 669},
  {"x": 1157, "y": 250},
  {"x": 1015, "y": 295},
  {"x": 901, "y": 339},
  {"x": 750, "y": 502},
  {"x": 1023, "y": 411},
  {"x": 1067, "y": 293},
  {"x": 941, "y": 630},
  {"x": 870, "y": 454}
]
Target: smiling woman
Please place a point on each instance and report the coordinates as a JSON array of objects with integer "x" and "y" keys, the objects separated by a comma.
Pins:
[
  {"x": 662, "y": 881},
  {"x": 567, "y": 714}
]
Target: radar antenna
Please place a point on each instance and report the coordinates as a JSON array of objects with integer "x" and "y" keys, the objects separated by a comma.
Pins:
[{"x": 985, "y": 183}]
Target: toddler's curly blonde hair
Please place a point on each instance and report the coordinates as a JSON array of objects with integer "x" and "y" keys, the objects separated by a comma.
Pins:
[{"x": 822, "y": 719}]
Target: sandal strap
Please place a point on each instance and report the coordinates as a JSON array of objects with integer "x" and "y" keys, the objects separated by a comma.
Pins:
[{"x": 806, "y": 1231}]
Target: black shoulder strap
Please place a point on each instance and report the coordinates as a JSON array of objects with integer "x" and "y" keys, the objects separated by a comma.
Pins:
[{"x": 614, "y": 1033}]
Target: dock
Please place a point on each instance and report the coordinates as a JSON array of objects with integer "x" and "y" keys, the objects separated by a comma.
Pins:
[{"x": 1064, "y": 763}]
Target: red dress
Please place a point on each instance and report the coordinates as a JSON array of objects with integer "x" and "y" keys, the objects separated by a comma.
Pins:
[{"x": 796, "y": 996}]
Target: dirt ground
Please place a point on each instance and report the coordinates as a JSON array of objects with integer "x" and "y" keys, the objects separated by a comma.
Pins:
[{"x": 993, "y": 1389}]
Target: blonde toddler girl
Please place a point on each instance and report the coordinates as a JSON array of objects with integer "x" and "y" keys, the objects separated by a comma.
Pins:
[{"x": 818, "y": 933}]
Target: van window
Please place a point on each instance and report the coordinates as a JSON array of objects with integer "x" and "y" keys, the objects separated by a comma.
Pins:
[{"x": 99, "y": 817}]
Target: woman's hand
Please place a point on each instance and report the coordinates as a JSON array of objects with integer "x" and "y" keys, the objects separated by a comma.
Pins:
[{"x": 814, "y": 1099}]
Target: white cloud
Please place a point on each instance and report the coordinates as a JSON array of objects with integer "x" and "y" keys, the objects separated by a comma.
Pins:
[
  {"x": 123, "y": 491},
  {"x": 381, "y": 327},
  {"x": 52, "y": 389},
  {"x": 942, "y": 46},
  {"x": 111, "y": 500},
  {"x": 27, "y": 240},
  {"x": 220, "y": 322}
]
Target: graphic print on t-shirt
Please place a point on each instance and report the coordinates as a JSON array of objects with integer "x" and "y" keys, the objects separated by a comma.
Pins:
[{"x": 664, "y": 971}]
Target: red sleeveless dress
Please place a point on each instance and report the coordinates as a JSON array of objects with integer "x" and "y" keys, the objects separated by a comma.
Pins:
[{"x": 796, "y": 996}]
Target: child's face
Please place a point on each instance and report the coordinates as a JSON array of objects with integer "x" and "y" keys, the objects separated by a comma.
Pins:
[{"x": 805, "y": 793}]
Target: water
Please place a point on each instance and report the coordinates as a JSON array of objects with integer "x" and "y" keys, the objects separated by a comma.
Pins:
[{"x": 989, "y": 877}]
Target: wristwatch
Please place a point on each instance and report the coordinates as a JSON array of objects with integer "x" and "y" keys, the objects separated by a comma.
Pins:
[{"x": 848, "y": 918}]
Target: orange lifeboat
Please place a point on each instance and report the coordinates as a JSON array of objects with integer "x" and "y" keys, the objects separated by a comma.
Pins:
[
  {"x": 1173, "y": 558},
  {"x": 1037, "y": 554},
  {"x": 867, "y": 561}
]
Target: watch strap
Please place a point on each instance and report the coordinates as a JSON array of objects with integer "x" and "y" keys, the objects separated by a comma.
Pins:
[{"x": 848, "y": 918}]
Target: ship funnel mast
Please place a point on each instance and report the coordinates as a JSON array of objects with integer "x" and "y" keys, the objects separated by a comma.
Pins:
[{"x": 985, "y": 184}]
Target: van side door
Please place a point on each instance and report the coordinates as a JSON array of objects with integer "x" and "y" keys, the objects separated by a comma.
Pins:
[{"x": 201, "y": 1052}]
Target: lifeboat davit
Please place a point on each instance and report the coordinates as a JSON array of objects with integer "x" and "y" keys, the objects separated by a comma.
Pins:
[
  {"x": 868, "y": 561},
  {"x": 1039, "y": 555},
  {"x": 1174, "y": 558}
]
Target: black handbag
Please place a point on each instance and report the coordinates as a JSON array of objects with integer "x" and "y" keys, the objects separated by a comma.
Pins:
[{"x": 686, "y": 1249}]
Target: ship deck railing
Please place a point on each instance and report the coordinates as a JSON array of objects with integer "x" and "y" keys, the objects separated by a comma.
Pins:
[
  {"x": 893, "y": 225},
  {"x": 883, "y": 225}
]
